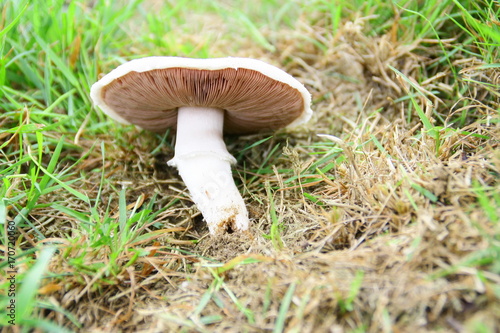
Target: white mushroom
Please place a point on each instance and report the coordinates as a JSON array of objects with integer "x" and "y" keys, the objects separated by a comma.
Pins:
[{"x": 201, "y": 99}]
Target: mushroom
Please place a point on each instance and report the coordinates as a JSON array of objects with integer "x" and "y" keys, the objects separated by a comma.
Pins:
[{"x": 201, "y": 99}]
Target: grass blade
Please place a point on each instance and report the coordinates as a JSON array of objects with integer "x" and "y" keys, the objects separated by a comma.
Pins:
[
  {"x": 31, "y": 283},
  {"x": 279, "y": 325}
]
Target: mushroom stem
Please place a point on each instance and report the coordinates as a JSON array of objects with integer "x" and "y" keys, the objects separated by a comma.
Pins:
[{"x": 204, "y": 164}]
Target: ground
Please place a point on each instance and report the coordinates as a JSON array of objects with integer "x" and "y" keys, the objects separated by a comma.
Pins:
[{"x": 378, "y": 215}]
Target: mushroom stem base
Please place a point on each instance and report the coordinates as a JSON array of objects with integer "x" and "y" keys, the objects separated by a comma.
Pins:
[
  {"x": 212, "y": 189},
  {"x": 204, "y": 165}
]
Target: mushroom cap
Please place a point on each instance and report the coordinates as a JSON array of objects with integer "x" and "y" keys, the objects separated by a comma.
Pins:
[{"x": 255, "y": 96}]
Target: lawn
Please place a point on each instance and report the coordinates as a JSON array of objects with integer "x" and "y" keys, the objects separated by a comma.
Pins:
[{"x": 381, "y": 214}]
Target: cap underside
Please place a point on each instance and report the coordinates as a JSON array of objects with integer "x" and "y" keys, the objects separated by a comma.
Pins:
[{"x": 252, "y": 101}]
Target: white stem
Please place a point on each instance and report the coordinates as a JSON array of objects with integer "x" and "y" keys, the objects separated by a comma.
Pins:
[{"x": 204, "y": 164}]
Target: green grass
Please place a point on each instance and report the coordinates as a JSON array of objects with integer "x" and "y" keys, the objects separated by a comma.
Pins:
[{"x": 409, "y": 165}]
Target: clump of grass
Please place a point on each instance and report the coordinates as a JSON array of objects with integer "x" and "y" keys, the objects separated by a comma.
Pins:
[{"x": 381, "y": 214}]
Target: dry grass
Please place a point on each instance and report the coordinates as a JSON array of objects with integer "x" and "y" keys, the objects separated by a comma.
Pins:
[{"x": 380, "y": 226}]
